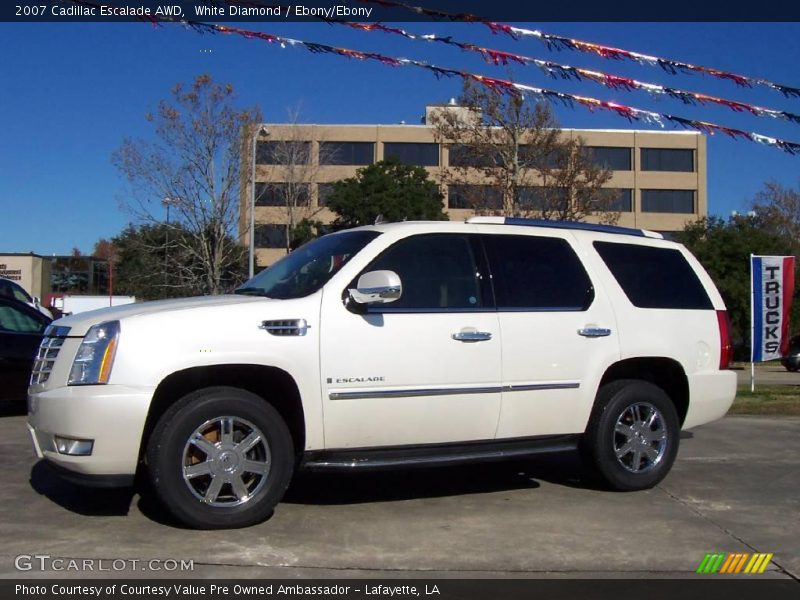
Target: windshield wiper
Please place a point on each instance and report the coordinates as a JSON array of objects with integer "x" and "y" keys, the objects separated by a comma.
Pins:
[{"x": 250, "y": 291}]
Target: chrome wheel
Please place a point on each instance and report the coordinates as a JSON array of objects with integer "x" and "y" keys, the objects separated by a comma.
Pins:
[
  {"x": 640, "y": 437},
  {"x": 226, "y": 461}
]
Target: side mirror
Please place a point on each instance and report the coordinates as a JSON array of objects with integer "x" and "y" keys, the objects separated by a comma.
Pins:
[{"x": 377, "y": 287}]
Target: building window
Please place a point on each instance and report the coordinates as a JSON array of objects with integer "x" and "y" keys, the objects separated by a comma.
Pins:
[
  {"x": 668, "y": 201},
  {"x": 623, "y": 200},
  {"x": 346, "y": 153},
  {"x": 462, "y": 155},
  {"x": 610, "y": 157},
  {"x": 324, "y": 190},
  {"x": 474, "y": 197},
  {"x": 667, "y": 159},
  {"x": 281, "y": 194},
  {"x": 423, "y": 155},
  {"x": 283, "y": 153},
  {"x": 541, "y": 197},
  {"x": 270, "y": 236}
]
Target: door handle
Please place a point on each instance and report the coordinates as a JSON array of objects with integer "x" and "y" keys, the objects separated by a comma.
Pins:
[
  {"x": 471, "y": 335},
  {"x": 594, "y": 332}
]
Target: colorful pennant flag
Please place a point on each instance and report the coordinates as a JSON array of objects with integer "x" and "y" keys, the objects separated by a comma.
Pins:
[{"x": 559, "y": 42}]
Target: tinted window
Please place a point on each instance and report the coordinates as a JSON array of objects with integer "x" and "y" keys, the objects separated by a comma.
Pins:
[
  {"x": 281, "y": 194},
  {"x": 667, "y": 159},
  {"x": 308, "y": 268},
  {"x": 12, "y": 290},
  {"x": 15, "y": 320},
  {"x": 474, "y": 197},
  {"x": 346, "y": 153},
  {"x": 424, "y": 155},
  {"x": 437, "y": 271},
  {"x": 283, "y": 153},
  {"x": 537, "y": 273},
  {"x": 654, "y": 277},
  {"x": 608, "y": 157},
  {"x": 668, "y": 201},
  {"x": 270, "y": 236},
  {"x": 623, "y": 200}
]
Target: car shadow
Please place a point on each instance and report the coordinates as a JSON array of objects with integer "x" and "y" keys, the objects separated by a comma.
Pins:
[
  {"x": 91, "y": 502},
  {"x": 343, "y": 487}
]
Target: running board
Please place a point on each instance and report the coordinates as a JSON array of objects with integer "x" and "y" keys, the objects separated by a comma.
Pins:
[{"x": 432, "y": 455}]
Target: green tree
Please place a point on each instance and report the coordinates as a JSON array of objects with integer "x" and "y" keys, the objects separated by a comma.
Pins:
[
  {"x": 146, "y": 257},
  {"x": 724, "y": 249},
  {"x": 388, "y": 189}
]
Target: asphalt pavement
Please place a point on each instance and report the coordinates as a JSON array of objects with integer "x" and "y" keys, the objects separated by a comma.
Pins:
[{"x": 733, "y": 489}]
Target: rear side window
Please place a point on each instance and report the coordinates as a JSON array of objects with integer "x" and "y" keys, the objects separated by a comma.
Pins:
[
  {"x": 537, "y": 274},
  {"x": 654, "y": 277}
]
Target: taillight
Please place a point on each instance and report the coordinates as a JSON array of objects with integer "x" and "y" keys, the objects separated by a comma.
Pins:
[{"x": 725, "y": 346}]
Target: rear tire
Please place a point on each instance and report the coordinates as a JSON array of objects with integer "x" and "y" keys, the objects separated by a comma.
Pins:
[
  {"x": 633, "y": 435},
  {"x": 220, "y": 458}
]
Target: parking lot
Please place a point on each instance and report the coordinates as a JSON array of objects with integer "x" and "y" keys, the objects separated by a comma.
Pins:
[{"x": 734, "y": 488}]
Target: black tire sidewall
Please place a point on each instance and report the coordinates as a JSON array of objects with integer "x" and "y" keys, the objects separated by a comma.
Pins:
[
  {"x": 612, "y": 402},
  {"x": 165, "y": 454}
]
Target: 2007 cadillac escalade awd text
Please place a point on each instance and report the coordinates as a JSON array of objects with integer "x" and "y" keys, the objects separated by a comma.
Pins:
[{"x": 392, "y": 345}]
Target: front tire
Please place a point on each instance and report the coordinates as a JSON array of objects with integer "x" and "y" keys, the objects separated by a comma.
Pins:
[
  {"x": 633, "y": 435},
  {"x": 220, "y": 458}
]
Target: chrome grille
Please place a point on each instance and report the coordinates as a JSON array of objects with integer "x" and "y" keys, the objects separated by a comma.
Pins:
[{"x": 48, "y": 352}]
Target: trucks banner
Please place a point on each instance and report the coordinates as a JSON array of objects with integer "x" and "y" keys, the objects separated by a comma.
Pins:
[{"x": 772, "y": 287}]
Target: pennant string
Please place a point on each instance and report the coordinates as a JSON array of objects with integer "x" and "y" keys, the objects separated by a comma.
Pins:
[
  {"x": 496, "y": 85},
  {"x": 558, "y": 42},
  {"x": 556, "y": 70}
]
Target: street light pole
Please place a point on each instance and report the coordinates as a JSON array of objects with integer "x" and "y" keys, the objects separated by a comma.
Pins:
[
  {"x": 252, "y": 233},
  {"x": 167, "y": 202}
]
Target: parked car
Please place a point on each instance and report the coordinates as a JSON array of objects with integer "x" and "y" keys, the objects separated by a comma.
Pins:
[
  {"x": 11, "y": 289},
  {"x": 791, "y": 360},
  {"x": 21, "y": 332},
  {"x": 393, "y": 345}
]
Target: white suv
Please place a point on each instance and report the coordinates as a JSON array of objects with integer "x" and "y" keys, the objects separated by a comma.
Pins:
[{"x": 393, "y": 345}]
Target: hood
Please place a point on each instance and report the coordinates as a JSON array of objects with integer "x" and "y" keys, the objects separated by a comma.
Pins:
[{"x": 80, "y": 323}]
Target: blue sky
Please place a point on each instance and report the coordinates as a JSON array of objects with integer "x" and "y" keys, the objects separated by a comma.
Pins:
[{"x": 72, "y": 91}]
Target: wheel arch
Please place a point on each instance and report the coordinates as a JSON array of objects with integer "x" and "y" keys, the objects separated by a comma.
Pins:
[
  {"x": 272, "y": 384},
  {"x": 666, "y": 373}
]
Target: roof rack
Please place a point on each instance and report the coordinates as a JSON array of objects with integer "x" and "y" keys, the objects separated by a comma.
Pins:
[{"x": 565, "y": 225}]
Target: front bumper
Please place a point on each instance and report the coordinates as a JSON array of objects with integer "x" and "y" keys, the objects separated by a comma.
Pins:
[{"x": 112, "y": 416}]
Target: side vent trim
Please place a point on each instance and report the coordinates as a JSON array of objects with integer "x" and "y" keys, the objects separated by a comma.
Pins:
[{"x": 286, "y": 327}]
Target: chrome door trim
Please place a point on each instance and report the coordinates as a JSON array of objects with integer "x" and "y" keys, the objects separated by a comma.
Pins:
[{"x": 413, "y": 393}]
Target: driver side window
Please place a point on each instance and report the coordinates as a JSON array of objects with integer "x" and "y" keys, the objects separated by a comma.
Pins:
[{"x": 438, "y": 272}]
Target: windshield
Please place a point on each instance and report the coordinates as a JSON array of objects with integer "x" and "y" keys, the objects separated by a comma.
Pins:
[{"x": 309, "y": 267}]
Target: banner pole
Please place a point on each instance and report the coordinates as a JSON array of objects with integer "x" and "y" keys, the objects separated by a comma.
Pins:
[{"x": 752, "y": 331}]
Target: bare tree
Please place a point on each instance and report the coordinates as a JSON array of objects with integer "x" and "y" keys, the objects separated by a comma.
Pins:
[
  {"x": 777, "y": 207},
  {"x": 286, "y": 155},
  {"x": 511, "y": 158},
  {"x": 193, "y": 163}
]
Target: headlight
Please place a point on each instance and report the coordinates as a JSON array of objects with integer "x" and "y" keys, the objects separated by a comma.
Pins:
[{"x": 95, "y": 356}]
